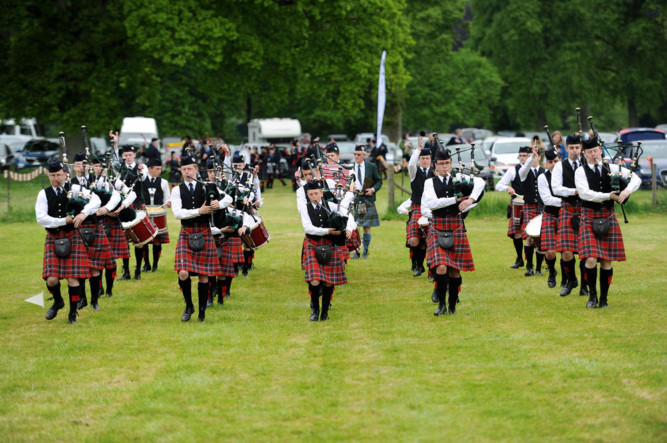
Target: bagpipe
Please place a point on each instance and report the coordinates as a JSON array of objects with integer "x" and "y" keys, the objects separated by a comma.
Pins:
[{"x": 76, "y": 201}]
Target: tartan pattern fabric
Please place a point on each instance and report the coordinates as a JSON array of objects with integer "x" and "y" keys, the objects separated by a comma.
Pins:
[
  {"x": 161, "y": 238},
  {"x": 117, "y": 240},
  {"x": 226, "y": 258},
  {"x": 458, "y": 256},
  {"x": 354, "y": 242},
  {"x": 514, "y": 228},
  {"x": 204, "y": 262},
  {"x": 530, "y": 211},
  {"x": 412, "y": 230},
  {"x": 568, "y": 239},
  {"x": 237, "y": 249},
  {"x": 609, "y": 247},
  {"x": 370, "y": 218},
  {"x": 333, "y": 272},
  {"x": 548, "y": 232},
  {"x": 75, "y": 265},
  {"x": 99, "y": 253}
]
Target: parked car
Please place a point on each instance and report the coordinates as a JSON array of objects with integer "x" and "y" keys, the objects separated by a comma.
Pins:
[
  {"x": 657, "y": 150},
  {"x": 346, "y": 151},
  {"x": 543, "y": 136},
  {"x": 630, "y": 135},
  {"x": 338, "y": 138},
  {"x": 486, "y": 144},
  {"x": 36, "y": 152},
  {"x": 608, "y": 138},
  {"x": 505, "y": 153},
  {"x": 471, "y": 134},
  {"x": 6, "y": 157}
]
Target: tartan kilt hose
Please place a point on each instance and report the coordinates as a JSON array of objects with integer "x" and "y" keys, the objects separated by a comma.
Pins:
[
  {"x": 413, "y": 228},
  {"x": 117, "y": 240},
  {"x": 75, "y": 265},
  {"x": 161, "y": 239},
  {"x": 458, "y": 256},
  {"x": 548, "y": 232},
  {"x": 609, "y": 247},
  {"x": 568, "y": 239},
  {"x": 370, "y": 218},
  {"x": 226, "y": 258},
  {"x": 99, "y": 253},
  {"x": 333, "y": 272},
  {"x": 236, "y": 246},
  {"x": 353, "y": 242},
  {"x": 204, "y": 262},
  {"x": 530, "y": 211}
]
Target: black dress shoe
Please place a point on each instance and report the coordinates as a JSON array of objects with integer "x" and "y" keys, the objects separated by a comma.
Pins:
[
  {"x": 154, "y": 268},
  {"x": 53, "y": 310},
  {"x": 529, "y": 271},
  {"x": 137, "y": 275},
  {"x": 209, "y": 302},
  {"x": 187, "y": 313},
  {"x": 419, "y": 271},
  {"x": 442, "y": 309},
  {"x": 517, "y": 264},
  {"x": 551, "y": 281},
  {"x": 109, "y": 293},
  {"x": 71, "y": 318},
  {"x": 83, "y": 302},
  {"x": 202, "y": 315},
  {"x": 603, "y": 302},
  {"x": 452, "y": 311},
  {"x": 434, "y": 296},
  {"x": 324, "y": 316},
  {"x": 221, "y": 300},
  {"x": 146, "y": 268},
  {"x": 592, "y": 301},
  {"x": 125, "y": 276},
  {"x": 94, "y": 305},
  {"x": 355, "y": 255},
  {"x": 583, "y": 291},
  {"x": 538, "y": 271},
  {"x": 314, "y": 315}
]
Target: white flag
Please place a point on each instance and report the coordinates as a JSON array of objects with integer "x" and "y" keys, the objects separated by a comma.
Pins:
[
  {"x": 36, "y": 299},
  {"x": 381, "y": 99}
]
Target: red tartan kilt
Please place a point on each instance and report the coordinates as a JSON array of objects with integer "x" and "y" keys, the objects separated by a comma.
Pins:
[
  {"x": 237, "y": 249},
  {"x": 117, "y": 240},
  {"x": 610, "y": 247},
  {"x": 530, "y": 211},
  {"x": 99, "y": 253},
  {"x": 75, "y": 265},
  {"x": 161, "y": 239},
  {"x": 204, "y": 262},
  {"x": 514, "y": 228},
  {"x": 413, "y": 227},
  {"x": 333, "y": 272},
  {"x": 568, "y": 239},
  {"x": 354, "y": 242},
  {"x": 548, "y": 232},
  {"x": 458, "y": 256},
  {"x": 226, "y": 259},
  {"x": 344, "y": 253}
]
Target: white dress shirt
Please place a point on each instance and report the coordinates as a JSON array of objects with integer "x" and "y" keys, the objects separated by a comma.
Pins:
[
  {"x": 430, "y": 201},
  {"x": 510, "y": 175},
  {"x": 177, "y": 203},
  {"x": 557, "y": 179},
  {"x": 358, "y": 179},
  {"x": 587, "y": 194},
  {"x": 42, "y": 208},
  {"x": 314, "y": 230},
  {"x": 545, "y": 192}
]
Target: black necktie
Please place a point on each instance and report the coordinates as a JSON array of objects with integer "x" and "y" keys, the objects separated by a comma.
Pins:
[
  {"x": 153, "y": 181},
  {"x": 361, "y": 179},
  {"x": 59, "y": 192},
  {"x": 575, "y": 165},
  {"x": 535, "y": 172},
  {"x": 192, "y": 189},
  {"x": 425, "y": 171},
  {"x": 597, "y": 170}
]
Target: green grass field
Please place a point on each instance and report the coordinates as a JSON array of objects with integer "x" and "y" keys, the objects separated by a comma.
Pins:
[{"x": 517, "y": 362}]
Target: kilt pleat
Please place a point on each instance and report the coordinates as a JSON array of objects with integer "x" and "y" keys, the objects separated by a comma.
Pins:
[
  {"x": 204, "y": 262},
  {"x": 333, "y": 272},
  {"x": 370, "y": 218},
  {"x": 75, "y": 265},
  {"x": 237, "y": 249},
  {"x": 99, "y": 253},
  {"x": 568, "y": 239},
  {"x": 458, "y": 256},
  {"x": 609, "y": 247},
  {"x": 117, "y": 240},
  {"x": 413, "y": 229},
  {"x": 548, "y": 232},
  {"x": 227, "y": 258},
  {"x": 354, "y": 242},
  {"x": 161, "y": 238}
]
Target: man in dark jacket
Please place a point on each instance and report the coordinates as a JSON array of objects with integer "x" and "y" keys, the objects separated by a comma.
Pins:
[{"x": 369, "y": 180}]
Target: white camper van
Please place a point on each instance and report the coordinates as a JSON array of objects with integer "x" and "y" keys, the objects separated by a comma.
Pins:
[
  {"x": 135, "y": 129},
  {"x": 273, "y": 130},
  {"x": 23, "y": 130}
]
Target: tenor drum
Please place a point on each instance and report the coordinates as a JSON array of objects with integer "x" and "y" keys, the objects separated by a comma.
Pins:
[
  {"x": 256, "y": 235},
  {"x": 141, "y": 230},
  {"x": 533, "y": 230},
  {"x": 158, "y": 215},
  {"x": 517, "y": 209}
]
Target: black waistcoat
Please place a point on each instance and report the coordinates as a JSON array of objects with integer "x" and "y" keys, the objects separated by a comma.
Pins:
[
  {"x": 131, "y": 176},
  {"x": 158, "y": 197},
  {"x": 553, "y": 210},
  {"x": 442, "y": 191},
  {"x": 319, "y": 220},
  {"x": 57, "y": 207},
  {"x": 418, "y": 185},
  {"x": 195, "y": 201},
  {"x": 597, "y": 184},
  {"x": 517, "y": 184},
  {"x": 568, "y": 182},
  {"x": 530, "y": 192}
]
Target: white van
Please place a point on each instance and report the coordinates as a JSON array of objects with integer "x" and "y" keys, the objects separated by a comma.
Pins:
[
  {"x": 273, "y": 130},
  {"x": 135, "y": 129},
  {"x": 24, "y": 130}
]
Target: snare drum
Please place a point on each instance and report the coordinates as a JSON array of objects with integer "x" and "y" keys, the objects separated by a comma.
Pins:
[
  {"x": 158, "y": 214},
  {"x": 517, "y": 209},
  {"x": 533, "y": 230},
  {"x": 141, "y": 230},
  {"x": 256, "y": 235}
]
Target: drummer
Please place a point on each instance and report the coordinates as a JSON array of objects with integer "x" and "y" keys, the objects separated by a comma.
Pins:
[
  {"x": 195, "y": 254},
  {"x": 323, "y": 271},
  {"x": 569, "y": 216},
  {"x": 552, "y": 204},
  {"x": 155, "y": 193},
  {"x": 512, "y": 183},
  {"x": 419, "y": 168}
]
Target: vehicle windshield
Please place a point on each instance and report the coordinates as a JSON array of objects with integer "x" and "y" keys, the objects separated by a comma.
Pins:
[
  {"x": 508, "y": 147},
  {"x": 658, "y": 150},
  {"x": 346, "y": 148},
  {"x": 6, "y": 129},
  {"x": 40, "y": 146}
]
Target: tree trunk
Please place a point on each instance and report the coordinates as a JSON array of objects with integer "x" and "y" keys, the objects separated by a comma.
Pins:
[
  {"x": 633, "y": 118},
  {"x": 248, "y": 108}
]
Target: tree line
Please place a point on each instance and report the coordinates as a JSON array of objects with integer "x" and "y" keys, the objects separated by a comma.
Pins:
[{"x": 201, "y": 66}]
